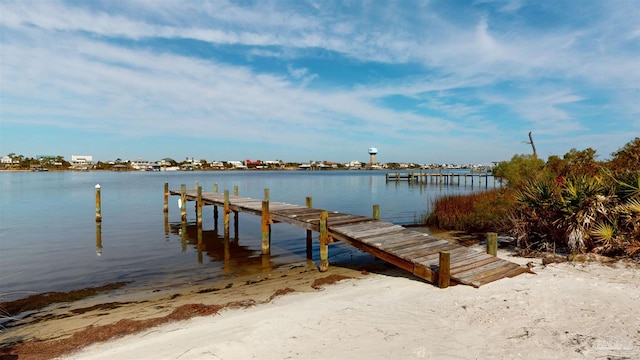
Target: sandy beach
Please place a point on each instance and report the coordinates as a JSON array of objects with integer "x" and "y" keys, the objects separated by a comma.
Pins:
[{"x": 565, "y": 310}]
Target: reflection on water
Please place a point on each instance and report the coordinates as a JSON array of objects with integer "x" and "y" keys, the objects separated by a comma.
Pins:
[
  {"x": 215, "y": 246},
  {"x": 99, "y": 238}
]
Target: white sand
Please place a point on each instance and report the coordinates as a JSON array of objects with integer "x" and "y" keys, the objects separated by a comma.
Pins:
[{"x": 565, "y": 311}]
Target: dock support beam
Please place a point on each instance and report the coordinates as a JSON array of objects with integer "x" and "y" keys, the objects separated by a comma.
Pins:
[
  {"x": 376, "y": 212},
  {"x": 444, "y": 270},
  {"x": 165, "y": 209},
  {"x": 324, "y": 241},
  {"x": 183, "y": 202},
  {"x": 199, "y": 208},
  {"x": 226, "y": 212},
  {"x": 266, "y": 228},
  {"x": 309, "y": 234}
]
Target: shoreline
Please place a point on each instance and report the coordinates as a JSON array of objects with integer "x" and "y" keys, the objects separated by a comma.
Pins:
[{"x": 124, "y": 308}]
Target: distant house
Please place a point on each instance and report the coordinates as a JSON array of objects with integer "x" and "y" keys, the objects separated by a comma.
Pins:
[
  {"x": 355, "y": 164},
  {"x": 81, "y": 161},
  {"x": 141, "y": 164},
  {"x": 5, "y": 160},
  {"x": 237, "y": 164}
]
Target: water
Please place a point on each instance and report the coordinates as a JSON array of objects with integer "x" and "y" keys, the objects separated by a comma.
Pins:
[{"x": 49, "y": 240}]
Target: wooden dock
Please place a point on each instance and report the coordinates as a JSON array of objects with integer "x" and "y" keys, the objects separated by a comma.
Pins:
[
  {"x": 434, "y": 260},
  {"x": 442, "y": 178}
]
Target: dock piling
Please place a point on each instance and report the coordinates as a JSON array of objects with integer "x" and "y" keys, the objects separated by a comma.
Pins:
[
  {"x": 183, "y": 202},
  {"x": 226, "y": 212},
  {"x": 444, "y": 269},
  {"x": 199, "y": 208},
  {"x": 324, "y": 241},
  {"x": 376, "y": 212},
  {"x": 165, "y": 209},
  {"x": 492, "y": 243},
  {"x": 266, "y": 228},
  {"x": 98, "y": 204}
]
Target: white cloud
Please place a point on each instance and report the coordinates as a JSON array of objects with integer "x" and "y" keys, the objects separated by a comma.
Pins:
[{"x": 85, "y": 65}]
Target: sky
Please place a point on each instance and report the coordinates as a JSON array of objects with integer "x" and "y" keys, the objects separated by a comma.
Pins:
[{"x": 459, "y": 82}]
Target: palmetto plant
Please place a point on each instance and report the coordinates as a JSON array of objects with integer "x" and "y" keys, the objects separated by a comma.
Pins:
[
  {"x": 537, "y": 208},
  {"x": 583, "y": 203},
  {"x": 584, "y": 213}
]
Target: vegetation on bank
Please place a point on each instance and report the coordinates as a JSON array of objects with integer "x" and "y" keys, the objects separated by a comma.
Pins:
[{"x": 575, "y": 203}]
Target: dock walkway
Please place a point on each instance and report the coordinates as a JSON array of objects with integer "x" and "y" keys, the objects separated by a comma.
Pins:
[{"x": 410, "y": 250}]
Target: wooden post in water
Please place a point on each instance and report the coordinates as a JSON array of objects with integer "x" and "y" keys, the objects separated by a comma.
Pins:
[
  {"x": 376, "y": 212},
  {"x": 324, "y": 241},
  {"x": 266, "y": 228},
  {"x": 98, "y": 204},
  {"x": 492, "y": 243},
  {"x": 215, "y": 210},
  {"x": 226, "y": 212},
  {"x": 309, "y": 234},
  {"x": 165, "y": 209},
  {"x": 235, "y": 215},
  {"x": 444, "y": 270},
  {"x": 183, "y": 202},
  {"x": 199, "y": 208}
]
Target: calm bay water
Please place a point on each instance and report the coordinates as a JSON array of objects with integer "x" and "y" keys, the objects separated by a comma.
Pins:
[{"x": 49, "y": 240}]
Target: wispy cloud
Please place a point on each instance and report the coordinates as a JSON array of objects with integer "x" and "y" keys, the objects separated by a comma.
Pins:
[{"x": 308, "y": 74}]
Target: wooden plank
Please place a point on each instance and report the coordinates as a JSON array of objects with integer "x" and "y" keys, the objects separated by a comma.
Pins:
[
  {"x": 392, "y": 240},
  {"x": 457, "y": 269},
  {"x": 417, "y": 250},
  {"x": 371, "y": 232},
  {"x": 427, "y": 253},
  {"x": 400, "y": 241},
  {"x": 372, "y": 224},
  {"x": 469, "y": 257},
  {"x": 397, "y": 243},
  {"x": 365, "y": 229},
  {"x": 378, "y": 236},
  {"x": 511, "y": 273},
  {"x": 430, "y": 256},
  {"x": 436, "y": 244},
  {"x": 493, "y": 274},
  {"x": 345, "y": 219},
  {"x": 471, "y": 274},
  {"x": 299, "y": 211},
  {"x": 353, "y": 220},
  {"x": 379, "y": 239}
]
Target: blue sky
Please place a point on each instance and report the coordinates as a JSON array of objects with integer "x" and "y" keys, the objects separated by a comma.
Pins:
[{"x": 423, "y": 81}]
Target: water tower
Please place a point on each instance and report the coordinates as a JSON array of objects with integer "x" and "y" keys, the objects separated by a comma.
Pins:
[{"x": 372, "y": 155}]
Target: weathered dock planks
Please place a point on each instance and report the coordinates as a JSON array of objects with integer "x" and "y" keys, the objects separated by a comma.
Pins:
[{"x": 413, "y": 251}]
